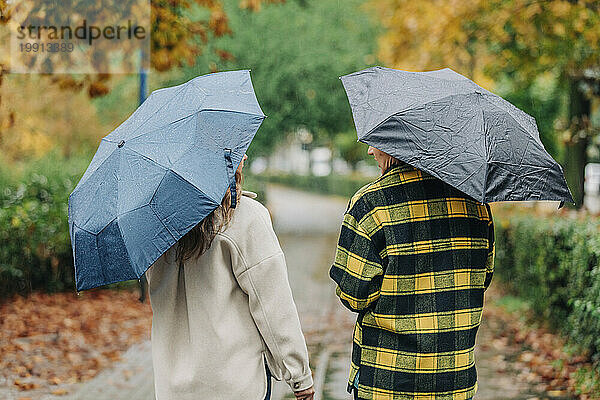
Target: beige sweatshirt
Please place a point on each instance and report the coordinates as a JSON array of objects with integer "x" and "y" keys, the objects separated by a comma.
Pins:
[{"x": 218, "y": 317}]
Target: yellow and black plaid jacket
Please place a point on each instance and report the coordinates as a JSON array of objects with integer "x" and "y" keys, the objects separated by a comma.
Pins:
[{"x": 414, "y": 258}]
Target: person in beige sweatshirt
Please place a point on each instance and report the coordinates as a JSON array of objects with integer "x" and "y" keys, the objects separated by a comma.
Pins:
[{"x": 224, "y": 320}]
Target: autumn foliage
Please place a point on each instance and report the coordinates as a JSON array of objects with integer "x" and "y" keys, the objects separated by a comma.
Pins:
[
  {"x": 47, "y": 340},
  {"x": 487, "y": 37},
  {"x": 180, "y": 31},
  {"x": 528, "y": 352}
]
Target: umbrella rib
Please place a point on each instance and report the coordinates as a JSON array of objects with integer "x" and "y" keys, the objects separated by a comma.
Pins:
[
  {"x": 524, "y": 151},
  {"x": 148, "y": 158},
  {"x": 400, "y": 89},
  {"x": 193, "y": 113},
  {"x": 131, "y": 173},
  {"x": 485, "y": 149},
  {"x": 152, "y": 208},
  {"x": 232, "y": 111},
  {"x": 133, "y": 209},
  {"x": 507, "y": 113},
  {"x": 160, "y": 108},
  {"x": 195, "y": 187},
  {"x": 408, "y": 109},
  {"x": 468, "y": 177},
  {"x": 533, "y": 172},
  {"x": 90, "y": 174},
  {"x": 83, "y": 229},
  {"x": 537, "y": 167},
  {"x": 162, "y": 222},
  {"x": 98, "y": 247},
  {"x": 364, "y": 137},
  {"x": 167, "y": 170},
  {"x": 125, "y": 245}
]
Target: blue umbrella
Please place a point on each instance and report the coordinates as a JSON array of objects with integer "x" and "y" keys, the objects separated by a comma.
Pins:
[{"x": 158, "y": 174}]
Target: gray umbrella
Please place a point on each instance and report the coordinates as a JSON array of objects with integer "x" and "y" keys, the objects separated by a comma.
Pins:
[{"x": 455, "y": 130}]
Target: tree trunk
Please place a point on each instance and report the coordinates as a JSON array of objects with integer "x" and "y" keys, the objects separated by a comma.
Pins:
[
  {"x": 575, "y": 161},
  {"x": 576, "y": 148}
]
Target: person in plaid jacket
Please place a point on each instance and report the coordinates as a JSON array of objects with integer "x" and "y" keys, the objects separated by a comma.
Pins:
[{"x": 414, "y": 258}]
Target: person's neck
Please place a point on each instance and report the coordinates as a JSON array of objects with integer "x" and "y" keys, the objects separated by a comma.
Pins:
[{"x": 389, "y": 168}]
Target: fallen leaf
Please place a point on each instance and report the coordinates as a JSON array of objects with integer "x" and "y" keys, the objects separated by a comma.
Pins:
[
  {"x": 54, "y": 381},
  {"x": 52, "y": 339}
]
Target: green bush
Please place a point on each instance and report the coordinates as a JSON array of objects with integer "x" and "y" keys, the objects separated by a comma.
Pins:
[
  {"x": 338, "y": 185},
  {"x": 256, "y": 185},
  {"x": 553, "y": 263},
  {"x": 36, "y": 248}
]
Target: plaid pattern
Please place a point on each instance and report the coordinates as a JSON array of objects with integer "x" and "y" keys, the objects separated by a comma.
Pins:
[{"x": 413, "y": 260}]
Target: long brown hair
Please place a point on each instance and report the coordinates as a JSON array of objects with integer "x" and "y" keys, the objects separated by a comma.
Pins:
[{"x": 200, "y": 237}]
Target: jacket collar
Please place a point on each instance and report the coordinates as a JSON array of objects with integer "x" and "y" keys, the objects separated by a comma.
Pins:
[{"x": 398, "y": 168}]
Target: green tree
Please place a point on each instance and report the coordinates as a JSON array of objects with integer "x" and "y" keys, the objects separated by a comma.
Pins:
[
  {"x": 543, "y": 97},
  {"x": 296, "y": 54}
]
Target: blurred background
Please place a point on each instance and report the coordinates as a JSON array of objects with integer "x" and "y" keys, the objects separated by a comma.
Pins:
[{"x": 540, "y": 336}]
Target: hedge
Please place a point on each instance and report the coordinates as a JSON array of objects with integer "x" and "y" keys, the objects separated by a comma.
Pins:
[
  {"x": 35, "y": 250},
  {"x": 554, "y": 264},
  {"x": 339, "y": 185}
]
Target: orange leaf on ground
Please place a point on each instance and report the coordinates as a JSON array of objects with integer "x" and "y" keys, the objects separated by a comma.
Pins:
[{"x": 51, "y": 339}]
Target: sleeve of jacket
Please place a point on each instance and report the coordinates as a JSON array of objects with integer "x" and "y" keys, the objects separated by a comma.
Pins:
[
  {"x": 264, "y": 279},
  {"x": 357, "y": 268},
  {"x": 489, "y": 264}
]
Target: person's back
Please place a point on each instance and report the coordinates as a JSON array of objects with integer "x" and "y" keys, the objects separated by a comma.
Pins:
[
  {"x": 218, "y": 317},
  {"x": 414, "y": 258}
]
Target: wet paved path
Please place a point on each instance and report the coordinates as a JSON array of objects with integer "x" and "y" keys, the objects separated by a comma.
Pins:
[{"x": 307, "y": 226}]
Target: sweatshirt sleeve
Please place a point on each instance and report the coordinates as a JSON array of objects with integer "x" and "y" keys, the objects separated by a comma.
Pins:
[{"x": 264, "y": 279}]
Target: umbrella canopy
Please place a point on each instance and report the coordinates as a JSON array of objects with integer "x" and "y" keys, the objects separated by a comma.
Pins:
[
  {"x": 158, "y": 174},
  {"x": 446, "y": 125}
]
